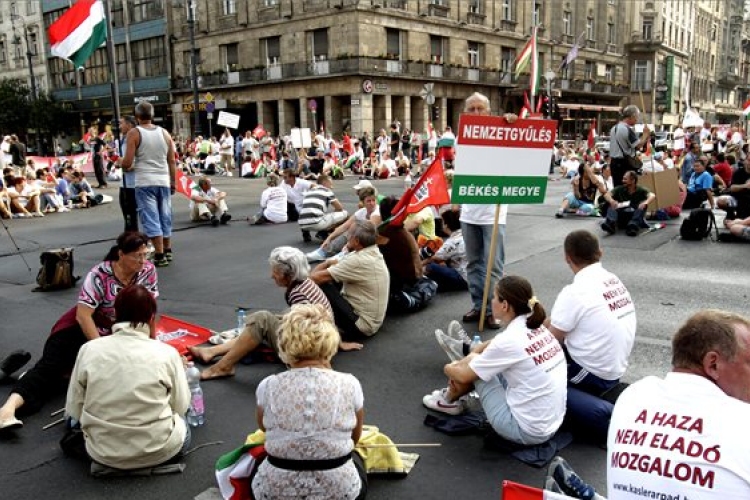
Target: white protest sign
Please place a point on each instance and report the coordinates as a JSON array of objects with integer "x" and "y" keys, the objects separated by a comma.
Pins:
[
  {"x": 301, "y": 138},
  {"x": 497, "y": 162},
  {"x": 229, "y": 120}
]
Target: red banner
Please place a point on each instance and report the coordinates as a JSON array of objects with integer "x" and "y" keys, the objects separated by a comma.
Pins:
[{"x": 180, "y": 334}]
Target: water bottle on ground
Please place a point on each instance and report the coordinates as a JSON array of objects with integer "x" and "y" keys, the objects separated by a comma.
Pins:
[
  {"x": 477, "y": 340},
  {"x": 196, "y": 412},
  {"x": 407, "y": 181},
  {"x": 240, "y": 320}
]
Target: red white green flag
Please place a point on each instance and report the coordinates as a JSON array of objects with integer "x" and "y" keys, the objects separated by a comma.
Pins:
[
  {"x": 78, "y": 32},
  {"x": 746, "y": 108},
  {"x": 528, "y": 61}
]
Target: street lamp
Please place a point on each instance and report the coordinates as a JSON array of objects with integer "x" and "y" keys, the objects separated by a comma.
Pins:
[
  {"x": 193, "y": 67},
  {"x": 550, "y": 77},
  {"x": 32, "y": 79}
]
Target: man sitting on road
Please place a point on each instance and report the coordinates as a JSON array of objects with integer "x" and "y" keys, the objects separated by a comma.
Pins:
[
  {"x": 700, "y": 186},
  {"x": 208, "y": 203},
  {"x": 321, "y": 210},
  {"x": 387, "y": 167},
  {"x": 627, "y": 206},
  {"x": 295, "y": 192},
  {"x": 736, "y": 201},
  {"x": 24, "y": 198},
  {"x": 594, "y": 318},
  {"x": 358, "y": 285}
]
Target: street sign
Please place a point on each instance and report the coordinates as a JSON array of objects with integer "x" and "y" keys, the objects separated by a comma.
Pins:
[
  {"x": 497, "y": 162},
  {"x": 209, "y": 116},
  {"x": 312, "y": 104},
  {"x": 210, "y": 107},
  {"x": 367, "y": 86},
  {"x": 427, "y": 94},
  {"x": 208, "y": 97}
]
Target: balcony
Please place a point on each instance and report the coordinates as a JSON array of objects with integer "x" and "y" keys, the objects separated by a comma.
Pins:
[
  {"x": 269, "y": 13},
  {"x": 588, "y": 86},
  {"x": 226, "y": 22},
  {"x": 435, "y": 10},
  {"x": 475, "y": 18},
  {"x": 649, "y": 41},
  {"x": 729, "y": 77},
  {"x": 507, "y": 25},
  {"x": 391, "y": 4}
]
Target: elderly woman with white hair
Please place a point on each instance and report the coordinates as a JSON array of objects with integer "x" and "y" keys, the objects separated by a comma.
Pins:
[{"x": 289, "y": 270}]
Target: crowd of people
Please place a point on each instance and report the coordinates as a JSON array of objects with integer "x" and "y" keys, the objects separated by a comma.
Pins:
[{"x": 541, "y": 372}]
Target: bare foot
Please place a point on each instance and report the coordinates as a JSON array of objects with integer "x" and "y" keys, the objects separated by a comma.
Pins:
[
  {"x": 215, "y": 372},
  {"x": 350, "y": 346},
  {"x": 201, "y": 353}
]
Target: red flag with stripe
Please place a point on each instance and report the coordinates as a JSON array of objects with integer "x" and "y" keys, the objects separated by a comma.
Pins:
[{"x": 429, "y": 190}]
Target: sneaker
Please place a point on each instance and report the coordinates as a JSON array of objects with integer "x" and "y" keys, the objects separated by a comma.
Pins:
[
  {"x": 225, "y": 217},
  {"x": 457, "y": 332},
  {"x": 559, "y": 214},
  {"x": 214, "y": 221},
  {"x": 471, "y": 316},
  {"x": 551, "y": 485},
  {"x": 568, "y": 480},
  {"x": 438, "y": 401},
  {"x": 632, "y": 230},
  {"x": 454, "y": 348},
  {"x": 150, "y": 251},
  {"x": 317, "y": 255},
  {"x": 161, "y": 261},
  {"x": 306, "y": 236},
  {"x": 168, "y": 255},
  {"x": 608, "y": 228}
]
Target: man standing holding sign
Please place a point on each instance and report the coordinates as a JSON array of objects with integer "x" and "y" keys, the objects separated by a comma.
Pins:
[{"x": 488, "y": 172}]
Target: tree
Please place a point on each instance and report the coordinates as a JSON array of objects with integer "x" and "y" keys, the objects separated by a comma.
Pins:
[
  {"x": 15, "y": 110},
  {"x": 47, "y": 115}
]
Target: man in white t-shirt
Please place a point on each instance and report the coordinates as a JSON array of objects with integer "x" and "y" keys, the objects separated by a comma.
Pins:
[
  {"x": 295, "y": 192},
  {"x": 594, "y": 318},
  {"x": 208, "y": 203},
  {"x": 685, "y": 436}
]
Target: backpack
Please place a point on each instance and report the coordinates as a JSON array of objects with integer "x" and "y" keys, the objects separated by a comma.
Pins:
[
  {"x": 698, "y": 225},
  {"x": 56, "y": 272}
]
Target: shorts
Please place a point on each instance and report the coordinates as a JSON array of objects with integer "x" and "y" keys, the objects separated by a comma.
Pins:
[
  {"x": 154, "y": 210},
  {"x": 574, "y": 203}
]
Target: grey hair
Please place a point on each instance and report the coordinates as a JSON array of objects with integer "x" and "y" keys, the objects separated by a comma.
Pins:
[
  {"x": 365, "y": 232},
  {"x": 272, "y": 180},
  {"x": 144, "y": 110},
  {"x": 290, "y": 262},
  {"x": 477, "y": 96},
  {"x": 630, "y": 111}
]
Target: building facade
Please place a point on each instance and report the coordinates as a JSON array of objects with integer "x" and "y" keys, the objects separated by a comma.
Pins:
[{"x": 22, "y": 38}]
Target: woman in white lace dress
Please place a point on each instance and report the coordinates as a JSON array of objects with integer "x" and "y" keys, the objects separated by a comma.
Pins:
[{"x": 312, "y": 416}]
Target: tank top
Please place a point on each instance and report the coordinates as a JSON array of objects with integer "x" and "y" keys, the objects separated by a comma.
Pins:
[{"x": 151, "y": 168}]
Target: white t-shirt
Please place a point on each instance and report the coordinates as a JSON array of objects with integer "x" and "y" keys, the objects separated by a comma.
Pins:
[
  {"x": 736, "y": 138},
  {"x": 680, "y": 437},
  {"x": 273, "y": 202},
  {"x": 361, "y": 214},
  {"x": 295, "y": 194},
  {"x": 533, "y": 364},
  {"x": 679, "y": 139},
  {"x": 483, "y": 215},
  {"x": 598, "y": 314}
]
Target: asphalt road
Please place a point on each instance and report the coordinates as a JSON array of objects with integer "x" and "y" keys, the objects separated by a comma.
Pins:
[{"x": 218, "y": 269}]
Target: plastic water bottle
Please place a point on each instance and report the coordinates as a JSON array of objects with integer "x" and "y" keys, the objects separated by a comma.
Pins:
[
  {"x": 476, "y": 341},
  {"x": 407, "y": 181},
  {"x": 240, "y": 320},
  {"x": 196, "y": 412}
]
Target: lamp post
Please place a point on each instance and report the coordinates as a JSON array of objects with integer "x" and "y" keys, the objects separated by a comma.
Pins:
[
  {"x": 32, "y": 78},
  {"x": 550, "y": 77},
  {"x": 193, "y": 67}
]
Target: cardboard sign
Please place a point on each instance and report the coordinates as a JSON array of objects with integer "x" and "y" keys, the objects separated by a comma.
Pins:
[
  {"x": 229, "y": 120},
  {"x": 664, "y": 185},
  {"x": 301, "y": 138},
  {"x": 497, "y": 162}
]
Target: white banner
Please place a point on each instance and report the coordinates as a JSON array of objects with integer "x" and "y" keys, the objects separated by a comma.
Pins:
[{"x": 229, "y": 120}]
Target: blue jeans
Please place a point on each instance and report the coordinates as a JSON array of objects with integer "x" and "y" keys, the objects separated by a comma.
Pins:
[
  {"x": 155, "y": 210},
  {"x": 637, "y": 217},
  {"x": 495, "y": 405},
  {"x": 477, "y": 240},
  {"x": 447, "y": 278}
]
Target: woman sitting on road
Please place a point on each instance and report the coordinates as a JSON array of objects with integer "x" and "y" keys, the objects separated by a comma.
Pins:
[
  {"x": 289, "y": 270},
  {"x": 312, "y": 416},
  {"x": 91, "y": 318},
  {"x": 133, "y": 413},
  {"x": 520, "y": 375}
]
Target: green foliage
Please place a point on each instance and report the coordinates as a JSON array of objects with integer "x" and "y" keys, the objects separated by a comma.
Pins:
[
  {"x": 15, "y": 109},
  {"x": 48, "y": 115}
]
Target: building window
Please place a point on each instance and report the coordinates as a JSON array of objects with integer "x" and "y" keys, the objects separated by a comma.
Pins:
[
  {"x": 641, "y": 75},
  {"x": 3, "y": 56},
  {"x": 146, "y": 10},
  {"x": 230, "y": 55},
  {"x": 118, "y": 20},
  {"x": 590, "y": 28},
  {"x": 475, "y": 7},
  {"x": 568, "y": 71},
  {"x": 507, "y": 10},
  {"x": 507, "y": 57},
  {"x": 272, "y": 47},
  {"x": 121, "y": 56},
  {"x": 97, "y": 69},
  {"x": 393, "y": 44},
  {"x": 537, "y": 16},
  {"x": 319, "y": 40},
  {"x": 567, "y": 23},
  {"x": 62, "y": 75},
  {"x": 609, "y": 73},
  {"x": 475, "y": 54},
  {"x": 588, "y": 70},
  {"x": 647, "y": 28},
  {"x": 191, "y": 9},
  {"x": 32, "y": 40},
  {"x": 149, "y": 57},
  {"x": 229, "y": 7},
  {"x": 13, "y": 10},
  {"x": 270, "y": 3},
  {"x": 611, "y": 33},
  {"x": 30, "y": 7},
  {"x": 437, "y": 49}
]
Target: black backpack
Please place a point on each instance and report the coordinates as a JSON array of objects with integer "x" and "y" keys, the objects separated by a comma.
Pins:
[
  {"x": 57, "y": 270},
  {"x": 698, "y": 225}
]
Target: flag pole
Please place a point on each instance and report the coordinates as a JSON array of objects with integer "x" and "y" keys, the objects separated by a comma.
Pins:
[
  {"x": 488, "y": 268},
  {"x": 114, "y": 85}
]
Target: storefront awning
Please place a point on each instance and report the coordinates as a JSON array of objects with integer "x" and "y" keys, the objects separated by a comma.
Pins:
[{"x": 588, "y": 107}]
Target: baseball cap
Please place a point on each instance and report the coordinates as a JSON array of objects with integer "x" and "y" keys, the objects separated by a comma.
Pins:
[{"x": 363, "y": 183}]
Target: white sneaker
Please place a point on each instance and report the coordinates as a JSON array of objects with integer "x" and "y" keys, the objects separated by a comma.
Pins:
[
  {"x": 452, "y": 347},
  {"x": 456, "y": 331},
  {"x": 317, "y": 255},
  {"x": 438, "y": 401}
]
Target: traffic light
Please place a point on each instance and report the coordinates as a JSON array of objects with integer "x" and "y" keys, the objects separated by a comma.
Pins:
[{"x": 435, "y": 113}]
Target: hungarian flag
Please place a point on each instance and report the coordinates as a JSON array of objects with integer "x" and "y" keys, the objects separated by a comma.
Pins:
[
  {"x": 746, "y": 108},
  {"x": 183, "y": 184},
  {"x": 233, "y": 469},
  {"x": 592, "y": 135},
  {"x": 528, "y": 60},
  {"x": 78, "y": 32},
  {"x": 429, "y": 190},
  {"x": 259, "y": 131},
  {"x": 515, "y": 491}
]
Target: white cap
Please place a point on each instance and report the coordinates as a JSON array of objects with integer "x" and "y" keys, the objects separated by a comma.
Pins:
[{"x": 364, "y": 183}]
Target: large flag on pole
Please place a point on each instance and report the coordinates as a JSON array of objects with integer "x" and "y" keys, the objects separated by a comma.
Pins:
[
  {"x": 573, "y": 53},
  {"x": 78, "y": 32},
  {"x": 528, "y": 59},
  {"x": 429, "y": 190},
  {"x": 746, "y": 108}
]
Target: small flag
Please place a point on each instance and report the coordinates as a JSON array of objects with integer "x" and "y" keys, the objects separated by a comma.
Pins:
[
  {"x": 516, "y": 491},
  {"x": 259, "y": 131},
  {"x": 184, "y": 184},
  {"x": 529, "y": 59},
  {"x": 592, "y": 135},
  {"x": 429, "y": 190},
  {"x": 746, "y": 108},
  {"x": 78, "y": 32},
  {"x": 573, "y": 53}
]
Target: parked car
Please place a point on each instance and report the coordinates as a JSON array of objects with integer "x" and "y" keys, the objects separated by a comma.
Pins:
[
  {"x": 663, "y": 141},
  {"x": 602, "y": 143}
]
